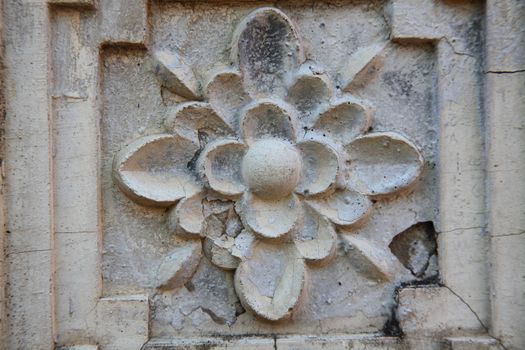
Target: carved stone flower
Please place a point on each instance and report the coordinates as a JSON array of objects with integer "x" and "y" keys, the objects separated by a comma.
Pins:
[{"x": 280, "y": 142}]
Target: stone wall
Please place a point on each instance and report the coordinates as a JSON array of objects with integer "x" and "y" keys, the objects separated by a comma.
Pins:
[{"x": 263, "y": 175}]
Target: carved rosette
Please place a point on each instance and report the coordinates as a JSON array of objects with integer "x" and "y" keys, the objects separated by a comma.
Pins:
[{"x": 277, "y": 140}]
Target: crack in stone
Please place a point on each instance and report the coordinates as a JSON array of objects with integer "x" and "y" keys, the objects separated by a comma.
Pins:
[
  {"x": 504, "y": 71},
  {"x": 510, "y": 234},
  {"x": 500, "y": 343},
  {"x": 461, "y": 229},
  {"x": 454, "y": 49},
  {"x": 28, "y": 251},
  {"x": 470, "y": 308},
  {"x": 216, "y": 318}
]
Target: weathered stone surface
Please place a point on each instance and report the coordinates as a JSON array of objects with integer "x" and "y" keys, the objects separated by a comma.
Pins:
[
  {"x": 272, "y": 281},
  {"x": 472, "y": 343},
  {"x": 179, "y": 266},
  {"x": 436, "y": 311},
  {"x": 192, "y": 174},
  {"x": 252, "y": 343}
]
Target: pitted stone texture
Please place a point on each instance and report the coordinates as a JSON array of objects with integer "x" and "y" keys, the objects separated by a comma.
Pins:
[
  {"x": 123, "y": 21},
  {"x": 267, "y": 48}
]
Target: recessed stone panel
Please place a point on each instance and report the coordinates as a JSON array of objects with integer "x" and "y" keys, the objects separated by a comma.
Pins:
[{"x": 360, "y": 159}]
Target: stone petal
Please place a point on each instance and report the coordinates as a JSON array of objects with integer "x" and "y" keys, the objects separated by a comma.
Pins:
[
  {"x": 179, "y": 266},
  {"x": 310, "y": 92},
  {"x": 316, "y": 238},
  {"x": 220, "y": 163},
  {"x": 219, "y": 252},
  {"x": 152, "y": 170},
  {"x": 358, "y": 64},
  {"x": 226, "y": 95},
  {"x": 344, "y": 120},
  {"x": 369, "y": 260},
  {"x": 243, "y": 244},
  {"x": 269, "y": 218},
  {"x": 271, "y": 282},
  {"x": 267, "y": 118},
  {"x": 383, "y": 163},
  {"x": 198, "y": 122},
  {"x": 266, "y": 47},
  {"x": 187, "y": 217},
  {"x": 320, "y": 167},
  {"x": 345, "y": 208},
  {"x": 175, "y": 75}
]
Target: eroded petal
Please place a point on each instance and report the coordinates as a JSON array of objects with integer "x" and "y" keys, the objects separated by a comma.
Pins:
[
  {"x": 319, "y": 167},
  {"x": 346, "y": 208},
  {"x": 221, "y": 164},
  {"x": 226, "y": 94},
  {"x": 368, "y": 259},
  {"x": 310, "y": 91},
  {"x": 267, "y": 118},
  {"x": 344, "y": 120},
  {"x": 219, "y": 251},
  {"x": 175, "y": 75},
  {"x": 198, "y": 122},
  {"x": 187, "y": 217},
  {"x": 152, "y": 170},
  {"x": 272, "y": 281},
  {"x": 179, "y": 266},
  {"x": 243, "y": 244},
  {"x": 383, "y": 163},
  {"x": 269, "y": 218},
  {"x": 266, "y": 47},
  {"x": 316, "y": 238}
]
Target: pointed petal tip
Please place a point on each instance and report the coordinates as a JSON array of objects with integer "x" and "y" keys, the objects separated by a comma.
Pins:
[
  {"x": 368, "y": 259},
  {"x": 179, "y": 266},
  {"x": 355, "y": 72},
  {"x": 175, "y": 75}
]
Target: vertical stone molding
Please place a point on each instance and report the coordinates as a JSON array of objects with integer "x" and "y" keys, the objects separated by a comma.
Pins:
[
  {"x": 463, "y": 242},
  {"x": 75, "y": 118},
  {"x": 29, "y": 193},
  {"x": 3, "y": 219},
  {"x": 505, "y": 109}
]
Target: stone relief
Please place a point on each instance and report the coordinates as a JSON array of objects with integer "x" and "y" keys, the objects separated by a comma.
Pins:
[{"x": 264, "y": 165}]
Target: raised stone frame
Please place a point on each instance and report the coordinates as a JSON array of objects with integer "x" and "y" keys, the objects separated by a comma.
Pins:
[{"x": 51, "y": 202}]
